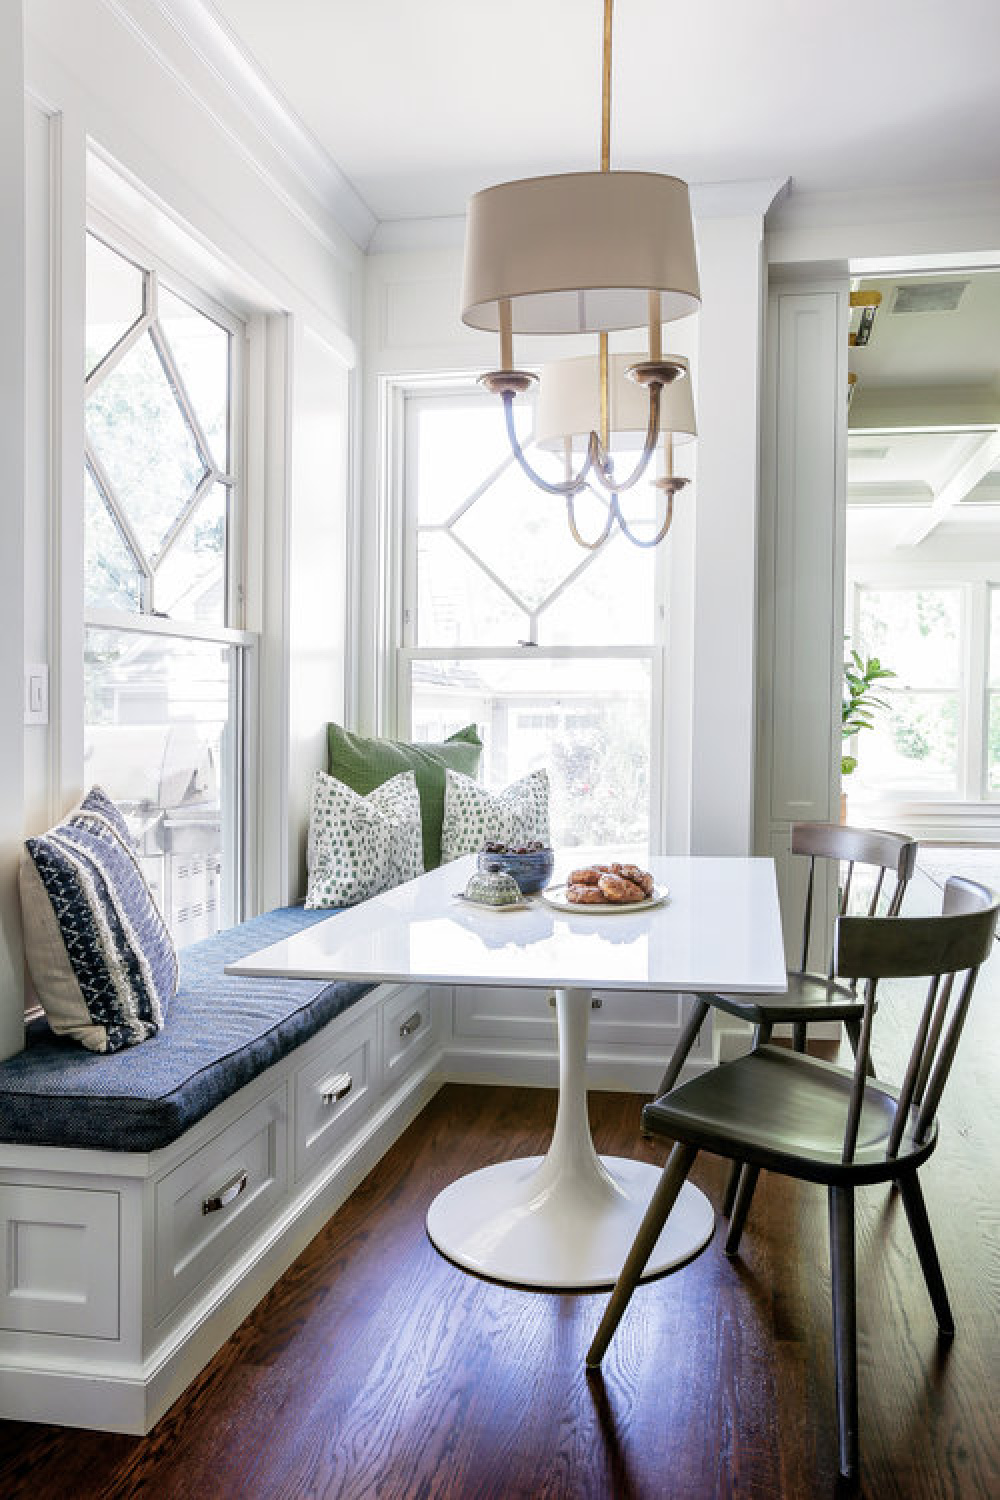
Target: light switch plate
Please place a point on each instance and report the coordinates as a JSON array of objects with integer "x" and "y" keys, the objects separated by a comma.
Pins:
[{"x": 36, "y": 694}]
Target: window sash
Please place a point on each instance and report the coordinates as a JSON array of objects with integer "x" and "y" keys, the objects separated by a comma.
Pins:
[
  {"x": 159, "y": 270},
  {"x": 407, "y": 656}
]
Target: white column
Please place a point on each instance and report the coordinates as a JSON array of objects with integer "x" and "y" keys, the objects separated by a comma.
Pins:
[
  {"x": 723, "y": 606},
  {"x": 12, "y": 474}
]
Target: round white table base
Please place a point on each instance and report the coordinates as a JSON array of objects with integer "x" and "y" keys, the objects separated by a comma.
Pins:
[{"x": 522, "y": 1223}]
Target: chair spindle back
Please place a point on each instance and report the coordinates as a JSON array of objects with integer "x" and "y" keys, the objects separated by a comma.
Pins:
[
  {"x": 852, "y": 846},
  {"x": 942, "y": 948}
]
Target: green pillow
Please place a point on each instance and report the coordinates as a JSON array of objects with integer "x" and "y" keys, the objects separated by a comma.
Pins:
[{"x": 365, "y": 763}]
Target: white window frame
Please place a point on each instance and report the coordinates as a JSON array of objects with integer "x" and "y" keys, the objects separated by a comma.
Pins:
[
  {"x": 245, "y": 685},
  {"x": 973, "y": 687},
  {"x": 402, "y": 398}
]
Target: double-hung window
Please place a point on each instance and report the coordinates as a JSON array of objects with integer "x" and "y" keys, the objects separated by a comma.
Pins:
[
  {"x": 165, "y": 659},
  {"x": 939, "y": 739},
  {"x": 553, "y": 651}
]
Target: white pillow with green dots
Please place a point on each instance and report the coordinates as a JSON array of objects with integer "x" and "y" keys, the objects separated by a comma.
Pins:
[
  {"x": 359, "y": 846},
  {"x": 474, "y": 816}
]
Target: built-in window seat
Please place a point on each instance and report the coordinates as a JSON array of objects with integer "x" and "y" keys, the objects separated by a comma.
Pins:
[
  {"x": 150, "y": 1197},
  {"x": 221, "y": 1031}
]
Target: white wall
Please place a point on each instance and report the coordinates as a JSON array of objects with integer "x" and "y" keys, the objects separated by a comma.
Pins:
[{"x": 12, "y": 481}]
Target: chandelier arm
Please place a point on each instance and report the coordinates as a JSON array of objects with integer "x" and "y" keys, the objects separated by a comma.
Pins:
[
  {"x": 574, "y": 530},
  {"x": 605, "y": 471},
  {"x": 636, "y": 540},
  {"x": 569, "y": 486}
]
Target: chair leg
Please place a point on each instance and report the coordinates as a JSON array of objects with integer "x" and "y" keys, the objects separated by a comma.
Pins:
[
  {"x": 685, "y": 1042},
  {"x": 853, "y": 1028},
  {"x": 845, "y": 1325},
  {"x": 799, "y": 1035},
  {"x": 748, "y": 1182},
  {"x": 664, "y": 1197},
  {"x": 920, "y": 1228},
  {"x": 732, "y": 1188},
  {"x": 761, "y": 1036}
]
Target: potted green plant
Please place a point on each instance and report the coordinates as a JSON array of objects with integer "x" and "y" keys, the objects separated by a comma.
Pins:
[{"x": 859, "y": 705}]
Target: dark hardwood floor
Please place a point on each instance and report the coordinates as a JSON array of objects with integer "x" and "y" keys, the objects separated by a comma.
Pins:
[{"x": 377, "y": 1369}]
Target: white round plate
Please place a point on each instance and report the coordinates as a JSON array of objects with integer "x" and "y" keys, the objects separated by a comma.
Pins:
[{"x": 555, "y": 895}]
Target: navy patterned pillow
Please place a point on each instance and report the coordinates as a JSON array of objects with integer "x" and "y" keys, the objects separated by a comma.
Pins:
[{"x": 102, "y": 961}]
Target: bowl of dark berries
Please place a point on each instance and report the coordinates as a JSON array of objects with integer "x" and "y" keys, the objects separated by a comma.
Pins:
[{"x": 530, "y": 863}]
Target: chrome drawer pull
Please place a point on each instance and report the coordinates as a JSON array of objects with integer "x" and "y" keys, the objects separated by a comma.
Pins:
[
  {"x": 410, "y": 1025},
  {"x": 595, "y": 1004},
  {"x": 337, "y": 1088},
  {"x": 228, "y": 1193}
]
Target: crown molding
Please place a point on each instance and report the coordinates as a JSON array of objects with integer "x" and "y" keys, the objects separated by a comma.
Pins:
[
  {"x": 736, "y": 200},
  {"x": 925, "y": 201},
  {"x": 261, "y": 107},
  {"x": 709, "y": 200},
  {"x": 393, "y": 236}
]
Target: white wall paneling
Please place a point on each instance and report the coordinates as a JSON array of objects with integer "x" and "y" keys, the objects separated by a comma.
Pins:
[
  {"x": 724, "y": 622},
  {"x": 801, "y": 572},
  {"x": 13, "y": 374},
  {"x": 317, "y": 575},
  {"x": 38, "y": 456},
  {"x": 807, "y": 622}
]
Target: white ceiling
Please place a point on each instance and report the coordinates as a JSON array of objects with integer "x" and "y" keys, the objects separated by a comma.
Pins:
[
  {"x": 960, "y": 347},
  {"x": 422, "y": 102}
]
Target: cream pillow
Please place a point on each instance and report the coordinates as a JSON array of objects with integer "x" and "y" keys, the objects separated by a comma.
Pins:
[
  {"x": 359, "y": 846},
  {"x": 474, "y": 816}
]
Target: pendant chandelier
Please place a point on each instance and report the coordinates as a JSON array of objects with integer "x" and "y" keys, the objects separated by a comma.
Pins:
[{"x": 587, "y": 252}]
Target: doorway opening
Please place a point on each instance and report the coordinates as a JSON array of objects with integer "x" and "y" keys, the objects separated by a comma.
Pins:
[{"x": 923, "y": 562}]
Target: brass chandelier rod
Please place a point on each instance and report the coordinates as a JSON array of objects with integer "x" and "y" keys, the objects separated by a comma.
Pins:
[{"x": 602, "y": 338}]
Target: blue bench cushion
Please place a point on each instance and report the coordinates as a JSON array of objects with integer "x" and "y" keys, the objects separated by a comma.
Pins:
[{"x": 221, "y": 1032}]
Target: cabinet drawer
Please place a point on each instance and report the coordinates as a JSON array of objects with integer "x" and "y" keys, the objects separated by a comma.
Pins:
[
  {"x": 59, "y": 1260},
  {"x": 503, "y": 1013},
  {"x": 629, "y": 1018},
  {"x": 408, "y": 1031},
  {"x": 207, "y": 1206},
  {"x": 332, "y": 1094}
]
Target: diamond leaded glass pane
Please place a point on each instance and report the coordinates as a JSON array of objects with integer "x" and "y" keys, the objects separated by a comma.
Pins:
[
  {"x": 111, "y": 578},
  {"x": 200, "y": 348},
  {"x": 140, "y": 436},
  {"x": 115, "y": 299},
  {"x": 190, "y": 583},
  {"x": 521, "y": 534},
  {"x": 458, "y": 604}
]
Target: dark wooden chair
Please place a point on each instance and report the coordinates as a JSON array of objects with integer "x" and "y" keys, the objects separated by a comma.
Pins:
[
  {"x": 793, "y": 1113},
  {"x": 811, "y": 996}
]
